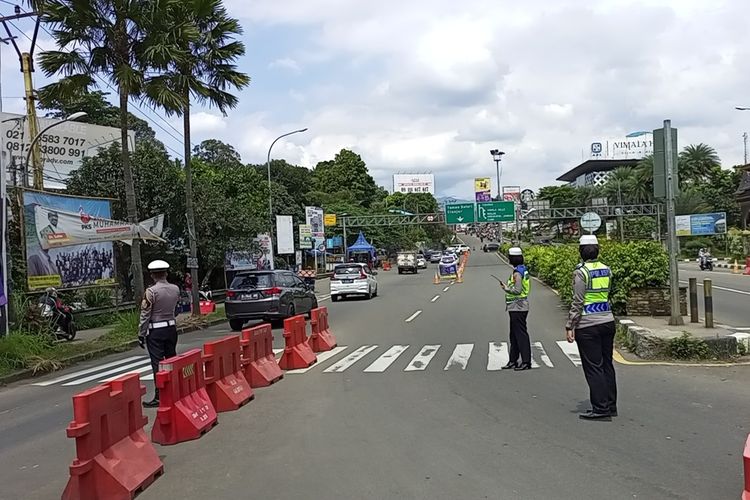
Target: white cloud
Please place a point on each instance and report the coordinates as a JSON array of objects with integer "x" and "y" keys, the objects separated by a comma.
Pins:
[
  {"x": 286, "y": 63},
  {"x": 206, "y": 123}
]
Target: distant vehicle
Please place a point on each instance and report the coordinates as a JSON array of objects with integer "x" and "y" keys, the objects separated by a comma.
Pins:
[
  {"x": 435, "y": 256},
  {"x": 461, "y": 249},
  {"x": 421, "y": 262},
  {"x": 353, "y": 279},
  {"x": 267, "y": 295},
  {"x": 706, "y": 263},
  {"x": 451, "y": 249},
  {"x": 448, "y": 266},
  {"x": 491, "y": 247},
  {"x": 406, "y": 262}
]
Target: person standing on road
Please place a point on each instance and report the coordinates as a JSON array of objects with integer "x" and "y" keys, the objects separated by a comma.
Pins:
[
  {"x": 592, "y": 326},
  {"x": 157, "y": 326},
  {"x": 517, "y": 304}
]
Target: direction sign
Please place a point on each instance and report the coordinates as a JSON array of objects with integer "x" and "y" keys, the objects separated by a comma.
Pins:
[
  {"x": 459, "y": 213},
  {"x": 496, "y": 211},
  {"x": 591, "y": 221}
]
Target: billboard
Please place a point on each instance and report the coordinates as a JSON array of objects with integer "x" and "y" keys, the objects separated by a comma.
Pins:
[
  {"x": 482, "y": 189},
  {"x": 257, "y": 259},
  {"x": 67, "y": 266},
  {"x": 635, "y": 146},
  {"x": 305, "y": 236},
  {"x": 512, "y": 193},
  {"x": 314, "y": 217},
  {"x": 62, "y": 148},
  {"x": 414, "y": 183},
  {"x": 701, "y": 224},
  {"x": 284, "y": 235}
]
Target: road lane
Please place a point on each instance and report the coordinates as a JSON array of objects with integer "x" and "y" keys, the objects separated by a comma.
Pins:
[{"x": 731, "y": 294}]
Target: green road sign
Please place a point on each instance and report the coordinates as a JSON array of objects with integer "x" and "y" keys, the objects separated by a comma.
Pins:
[
  {"x": 459, "y": 213},
  {"x": 496, "y": 211}
]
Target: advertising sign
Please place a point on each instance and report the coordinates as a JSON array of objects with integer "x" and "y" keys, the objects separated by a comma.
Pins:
[
  {"x": 284, "y": 234},
  {"x": 414, "y": 183},
  {"x": 257, "y": 259},
  {"x": 329, "y": 220},
  {"x": 305, "y": 236},
  {"x": 314, "y": 217},
  {"x": 482, "y": 189},
  {"x": 80, "y": 261},
  {"x": 701, "y": 224},
  {"x": 62, "y": 148},
  {"x": 512, "y": 193},
  {"x": 637, "y": 145}
]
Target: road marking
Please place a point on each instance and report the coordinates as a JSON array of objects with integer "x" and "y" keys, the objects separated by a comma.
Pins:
[
  {"x": 142, "y": 369},
  {"x": 386, "y": 359},
  {"x": 571, "y": 351},
  {"x": 740, "y": 328},
  {"x": 715, "y": 287},
  {"x": 453, "y": 282},
  {"x": 324, "y": 298},
  {"x": 87, "y": 371},
  {"x": 120, "y": 369},
  {"x": 460, "y": 357},
  {"x": 322, "y": 356},
  {"x": 435, "y": 298},
  {"x": 421, "y": 360},
  {"x": 348, "y": 361},
  {"x": 539, "y": 348},
  {"x": 278, "y": 352},
  {"x": 413, "y": 316},
  {"x": 446, "y": 288},
  {"x": 497, "y": 356}
]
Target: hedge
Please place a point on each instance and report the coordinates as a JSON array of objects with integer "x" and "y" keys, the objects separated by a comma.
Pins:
[{"x": 634, "y": 264}]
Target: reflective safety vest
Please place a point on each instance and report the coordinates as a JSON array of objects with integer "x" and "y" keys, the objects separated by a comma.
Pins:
[
  {"x": 598, "y": 278},
  {"x": 525, "y": 284}
]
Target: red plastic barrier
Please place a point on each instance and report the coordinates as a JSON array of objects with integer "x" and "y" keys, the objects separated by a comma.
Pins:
[
  {"x": 225, "y": 383},
  {"x": 258, "y": 360},
  {"x": 297, "y": 351},
  {"x": 114, "y": 457},
  {"x": 321, "y": 337},
  {"x": 746, "y": 465},
  {"x": 185, "y": 410},
  {"x": 207, "y": 306},
  {"x": 747, "y": 265}
]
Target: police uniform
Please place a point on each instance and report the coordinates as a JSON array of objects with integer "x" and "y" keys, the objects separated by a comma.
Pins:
[
  {"x": 593, "y": 324},
  {"x": 157, "y": 326},
  {"x": 517, "y": 304}
]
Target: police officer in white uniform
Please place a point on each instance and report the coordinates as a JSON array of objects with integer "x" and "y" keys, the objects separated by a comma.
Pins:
[{"x": 157, "y": 327}]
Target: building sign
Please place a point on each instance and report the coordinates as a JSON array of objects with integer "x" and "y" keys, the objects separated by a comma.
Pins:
[
  {"x": 701, "y": 224},
  {"x": 414, "y": 183},
  {"x": 482, "y": 189},
  {"x": 512, "y": 193},
  {"x": 635, "y": 146}
]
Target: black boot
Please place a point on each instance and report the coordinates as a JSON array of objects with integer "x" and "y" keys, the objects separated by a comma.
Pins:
[
  {"x": 592, "y": 415},
  {"x": 154, "y": 403}
]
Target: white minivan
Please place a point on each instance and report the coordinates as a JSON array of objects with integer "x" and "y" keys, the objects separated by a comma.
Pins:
[{"x": 353, "y": 279}]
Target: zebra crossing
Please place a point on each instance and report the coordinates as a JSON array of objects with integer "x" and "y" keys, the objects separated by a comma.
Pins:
[{"x": 374, "y": 359}]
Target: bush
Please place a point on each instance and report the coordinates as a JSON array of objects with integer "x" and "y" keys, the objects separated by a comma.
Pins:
[
  {"x": 97, "y": 297},
  {"x": 18, "y": 348},
  {"x": 687, "y": 347}
]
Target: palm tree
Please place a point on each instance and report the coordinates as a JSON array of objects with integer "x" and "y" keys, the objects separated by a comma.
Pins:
[
  {"x": 643, "y": 181},
  {"x": 619, "y": 183},
  {"x": 696, "y": 163},
  {"x": 204, "y": 72},
  {"x": 690, "y": 201},
  {"x": 114, "y": 40}
]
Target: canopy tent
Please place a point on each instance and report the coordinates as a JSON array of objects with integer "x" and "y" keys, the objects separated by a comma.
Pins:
[{"x": 361, "y": 246}]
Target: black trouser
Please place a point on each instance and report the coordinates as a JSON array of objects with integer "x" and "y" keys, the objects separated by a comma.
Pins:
[
  {"x": 161, "y": 344},
  {"x": 519, "y": 337},
  {"x": 595, "y": 345}
]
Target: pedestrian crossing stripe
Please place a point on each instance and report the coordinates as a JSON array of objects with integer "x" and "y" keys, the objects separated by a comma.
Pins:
[{"x": 344, "y": 358}]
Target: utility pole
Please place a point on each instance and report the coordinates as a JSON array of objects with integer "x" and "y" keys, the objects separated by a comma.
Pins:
[
  {"x": 744, "y": 140},
  {"x": 674, "y": 279},
  {"x": 497, "y": 156}
]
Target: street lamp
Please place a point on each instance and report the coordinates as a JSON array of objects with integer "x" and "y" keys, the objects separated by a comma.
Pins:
[
  {"x": 742, "y": 108},
  {"x": 75, "y": 116},
  {"x": 497, "y": 155},
  {"x": 268, "y": 167}
]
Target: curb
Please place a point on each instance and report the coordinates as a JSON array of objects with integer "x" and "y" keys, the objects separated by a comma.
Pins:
[{"x": 67, "y": 362}]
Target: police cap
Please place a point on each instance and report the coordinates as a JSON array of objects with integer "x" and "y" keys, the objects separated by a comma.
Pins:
[
  {"x": 588, "y": 239},
  {"x": 515, "y": 251},
  {"x": 157, "y": 266}
]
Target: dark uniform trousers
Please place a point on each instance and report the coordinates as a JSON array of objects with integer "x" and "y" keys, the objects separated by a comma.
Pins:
[
  {"x": 161, "y": 344},
  {"x": 519, "y": 337},
  {"x": 595, "y": 345}
]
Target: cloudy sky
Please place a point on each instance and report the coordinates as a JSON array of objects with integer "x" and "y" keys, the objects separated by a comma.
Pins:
[{"x": 433, "y": 85}]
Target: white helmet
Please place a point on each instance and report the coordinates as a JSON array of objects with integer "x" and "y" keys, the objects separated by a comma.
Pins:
[
  {"x": 157, "y": 266},
  {"x": 588, "y": 239}
]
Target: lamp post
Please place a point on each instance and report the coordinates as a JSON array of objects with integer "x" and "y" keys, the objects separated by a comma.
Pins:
[
  {"x": 497, "y": 156},
  {"x": 75, "y": 116}
]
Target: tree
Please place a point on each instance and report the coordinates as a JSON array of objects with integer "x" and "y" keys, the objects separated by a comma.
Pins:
[
  {"x": 297, "y": 180},
  {"x": 690, "y": 201},
  {"x": 217, "y": 152},
  {"x": 204, "y": 71},
  {"x": 119, "y": 40},
  {"x": 347, "y": 172},
  {"x": 697, "y": 163},
  {"x": 619, "y": 184}
]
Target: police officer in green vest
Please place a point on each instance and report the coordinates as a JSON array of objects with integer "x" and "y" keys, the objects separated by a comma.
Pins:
[
  {"x": 592, "y": 326},
  {"x": 517, "y": 304}
]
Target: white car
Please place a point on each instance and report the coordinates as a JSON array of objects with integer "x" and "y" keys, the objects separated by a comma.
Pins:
[
  {"x": 353, "y": 279},
  {"x": 460, "y": 249},
  {"x": 421, "y": 262}
]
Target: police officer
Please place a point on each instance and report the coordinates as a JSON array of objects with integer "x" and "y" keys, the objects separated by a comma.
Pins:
[
  {"x": 157, "y": 328},
  {"x": 517, "y": 304},
  {"x": 592, "y": 326}
]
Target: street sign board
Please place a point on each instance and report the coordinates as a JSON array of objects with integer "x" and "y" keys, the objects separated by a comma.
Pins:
[
  {"x": 701, "y": 224},
  {"x": 496, "y": 211},
  {"x": 329, "y": 220},
  {"x": 590, "y": 221},
  {"x": 459, "y": 213}
]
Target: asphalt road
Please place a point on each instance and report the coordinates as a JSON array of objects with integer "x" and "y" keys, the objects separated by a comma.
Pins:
[
  {"x": 435, "y": 423},
  {"x": 731, "y": 293}
]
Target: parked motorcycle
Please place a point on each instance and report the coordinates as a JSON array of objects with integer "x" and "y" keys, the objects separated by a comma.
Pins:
[
  {"x": 707, "y": 263},
  {"x": 59, "y": 315}
]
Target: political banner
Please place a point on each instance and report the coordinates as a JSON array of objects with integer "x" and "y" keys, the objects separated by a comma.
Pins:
[
  {"x": 284, "y": 235},
  {"x": 256, "y": 258},
  {"x": 305, "y": 236},
  {"x": 482, "y": 189},
  {"x": 314, "y": 217}
]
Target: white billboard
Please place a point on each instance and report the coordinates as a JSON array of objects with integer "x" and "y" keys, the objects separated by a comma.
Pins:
[
  {"x": 314, "y": 217},
  {"x": 414, "y": 183},
  {"x": 635, "y": 146},
  {"x": 284, "y": 235},
  {"x": 62, "y": 147}
]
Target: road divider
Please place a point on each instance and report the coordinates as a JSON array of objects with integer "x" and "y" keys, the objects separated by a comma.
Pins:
[
  {"x": 297, "y": 350},
  {"x": 226, "y": 385},
  {"x": 258, "y": 357},
  {"x": 321, "y": 337}
]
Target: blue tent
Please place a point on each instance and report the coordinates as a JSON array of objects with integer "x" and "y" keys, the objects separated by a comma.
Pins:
[{"x": 361, "y": 246}]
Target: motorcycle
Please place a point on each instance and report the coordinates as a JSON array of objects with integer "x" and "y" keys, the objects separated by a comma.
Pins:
[
  {"x": 707, "y": 263},
  {"x": 58, "y": 314}
]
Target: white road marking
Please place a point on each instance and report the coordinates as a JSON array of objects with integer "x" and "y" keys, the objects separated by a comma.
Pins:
[
  {"x": 324, "y": 298},
  {"x": 571, "y": 351},
  {"x": 322, "y": 356},
  {"x": 88, "y": 370},
  {"x": 413, "y": 316},
  {"x": 148, "y": 376},
  {"x": 539, "y": 348},
  {"x": 421, "y": 360},
  {"x": 142, "y": 369},
  {"x": 435, "y": 298},
  {"x": 446, "y": 288},
  {"x": 741, "y": 328},
  {"x": 386, "y": 359},
  {"x": 348, "y": 361},
  {"x": 276, "y": 352},
  {"x": 121, "y": 369},
  {"x": 715, "y": 287},
  {"x": 453, "y": 282},
  {"x": 460, "y": 357},
  {"x": 497, "y": 356}
]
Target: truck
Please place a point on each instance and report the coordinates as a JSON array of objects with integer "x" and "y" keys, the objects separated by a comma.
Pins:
[{"x": 406, "y": 262}]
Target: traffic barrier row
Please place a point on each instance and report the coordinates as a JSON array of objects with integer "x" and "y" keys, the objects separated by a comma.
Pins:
[
  {"x": 746, "y": 467},
  {"x": 115, "y": 458},
  {"x": 747, "y": 266}
]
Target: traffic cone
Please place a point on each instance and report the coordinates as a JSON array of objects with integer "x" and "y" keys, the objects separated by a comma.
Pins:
[
  {"x": 460, "y": 278},
  {"x": 735, "y": 267},
  {"x": 436, "y": 280}
]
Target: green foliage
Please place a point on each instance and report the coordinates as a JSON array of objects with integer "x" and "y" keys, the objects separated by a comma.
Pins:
[
  {"x": 97, "y": 297},
  {"x": 347, "y": 172},
  {"x": 687, "y": 347},
  {"x": 95, "y": 321},
  {"x": 18, "y": 347}
]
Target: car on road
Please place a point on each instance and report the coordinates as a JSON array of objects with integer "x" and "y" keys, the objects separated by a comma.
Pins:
[
  {"x": 406, "y": 262},
  {"x": 421, "y": 262},
  {"x": 491, "y": 247},
  {"x": 353, "y": 279},
  {"x": 268, "y": 296},
  {"x": 461, "y": 249},
  {"x": 435, "y": 257}
]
